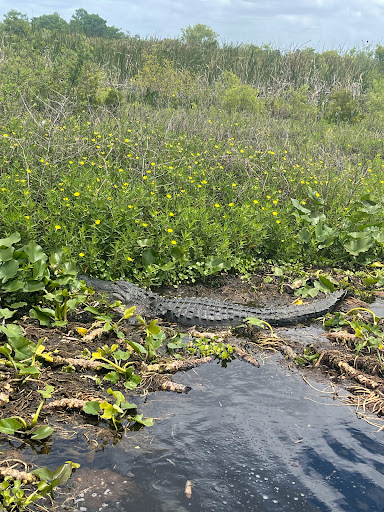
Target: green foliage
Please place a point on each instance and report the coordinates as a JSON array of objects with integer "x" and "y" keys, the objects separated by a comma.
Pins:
[
  {"x": 199, "y": 35},
  {"x": 14, "y": 497},
  {"x": 92, "y": 25},
  {"x": 341, "y": 106},
  {"x": 50, "y": 22},
  {"x": 118, "y": 412},
  {"x": 29, "y": 277},
  {"x": 239, "y": 97},
  {"x": 17, "y": 425},
  {"x": 203, "y": 347}
]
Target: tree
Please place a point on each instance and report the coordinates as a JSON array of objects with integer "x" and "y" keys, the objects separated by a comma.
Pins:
[
  {"x": 199, "y": 35},
  {"x": 92, "y": 25},
  {"x": 16, "y": 22},
  {"x": 50, "y": 22}
]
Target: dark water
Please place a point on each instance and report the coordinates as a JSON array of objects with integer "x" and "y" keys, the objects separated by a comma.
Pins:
[{"x": 250, "y": 439}]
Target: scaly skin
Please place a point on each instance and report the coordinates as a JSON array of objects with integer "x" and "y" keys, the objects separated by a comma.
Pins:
[{"x": 192, "y": 311}]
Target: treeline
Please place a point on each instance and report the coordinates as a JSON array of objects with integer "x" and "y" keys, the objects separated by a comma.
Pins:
[{"x": 92, "y": 64}]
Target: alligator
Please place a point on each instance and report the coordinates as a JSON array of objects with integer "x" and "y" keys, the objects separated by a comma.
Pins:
[{"x": 201, "y": 312}]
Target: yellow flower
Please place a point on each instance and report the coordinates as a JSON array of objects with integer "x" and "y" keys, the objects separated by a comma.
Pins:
[
  {"x": 255, "y": 201},
  {"x": 217, "y": 205},
  {"x": 173, "y": 242},
  {"x": 230, "y": 204},
  {"x": 170, "y": 230},
  {"x": 81, "y": 254},
  {"x": 76, "y": 194},
  {"x": 57, "y": 226},
  {"x": 27, "y": 216},
  {"x": 129, "y": 259},
  {"x": 144, "y": 224},
  {"x": 169, "y": 196},
  {"x": 97, "y": 221},
  {"x": 171, "y": 214},
  {"x": 274, "y": 213}
]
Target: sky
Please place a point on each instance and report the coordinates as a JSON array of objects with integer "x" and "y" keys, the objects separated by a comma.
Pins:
[{"x": 284, "y": 24}]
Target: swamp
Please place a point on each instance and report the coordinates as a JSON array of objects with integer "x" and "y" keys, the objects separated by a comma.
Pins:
[{"x": 237, "y": 173}]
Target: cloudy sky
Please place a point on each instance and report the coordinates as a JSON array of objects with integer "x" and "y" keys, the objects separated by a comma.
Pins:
[{"x": 321, "y": 24}]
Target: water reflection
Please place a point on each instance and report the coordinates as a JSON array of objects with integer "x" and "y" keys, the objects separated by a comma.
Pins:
[{"x": 249, "y": 440}]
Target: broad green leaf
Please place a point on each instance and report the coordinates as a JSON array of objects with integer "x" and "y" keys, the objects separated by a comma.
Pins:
[
  {"x": 40, "y": 269},
  {"x": 43, "y": 473},
  {"x": 149, "y": 257},
  {"x": 126, "y": 406},
  {"x": 8, "y": 270},
  {"x": 12, "y": 239},
  {"x": 6, "y": 313},
  {"x": 299, "y": 206},
  {"x": 255, "y": 321},
  {"x": 41, "y": 432},
  {"x": 357, "y": 245},
  {"x": 326, "y": 282},
  {"x": 62, "y": 474},
  {"x": 121, "y": 356},
  {"x": 137, "y": 347},
  {"x": 13, "y": 286},
  {"x": 43, "y": 315},
  {"x": 304, "y": 235},
  {"x": 10, "y": 425},
  {"x": 153, "y": 328},
  {"x": 147, "y": 423},
  {"x": 12, "y": 330},
  {"x": 168, "y": 266},
  {"x": 176, "y": 253},
  {"x": 32, "y": 285},
  {"x": 29, "y": 370},
  {"x": 92, "y": 310},
  {"x": 118, "y": 396},
  {"x": 34, "y": 252},
  {"x": 91, "y": 407},
  {"x": 6, "y": 254},
  {"x": 112, "y": 377}
]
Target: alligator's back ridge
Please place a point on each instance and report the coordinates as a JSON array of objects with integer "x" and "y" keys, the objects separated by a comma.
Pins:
[{"x": 200, "y": 312}]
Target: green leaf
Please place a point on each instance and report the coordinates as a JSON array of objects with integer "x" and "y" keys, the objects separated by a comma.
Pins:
[
  {"x": 299, "y": 206},
  {"x": 326, "y": 282},
  {"x": 43, "y": 315},
  {"x": 137, "y": 347},
  {"x": 8, "y": 270},
  {"x": 29, "y": 370},
  {"x": 112, "y": 377},
  {"x": 149, "y": 257},
  {"x": 13, "y": 286},
  {"x": 304, "y": 235},
  {"x": 47, "y": 392},
  {"x": 40, "y": 269},
  {"x": 62, "y": 474},
  {"x": 12, "y": 239},
  {"x": 121, "y": 356},
  {"x": 41, "y": 432},
  {"x": 34, "y": 252},
  {"x": 91, "y": 407},
  {"x": 6, "y": 313},
  {"x": 10, "y": 425},
  {"x": 147, "y": 423},
  {"x": 43, "y": 473},
  {"x": 355, "y": 246},
  {"x": 6, "y": 254},
  {"x": 176, "y": 253},
  {"x": 255, "y": 321},
  {"x": 153, "y": 328},
  {"x": 92, "y": 310},
  {"x": 32, "y": 285}
]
